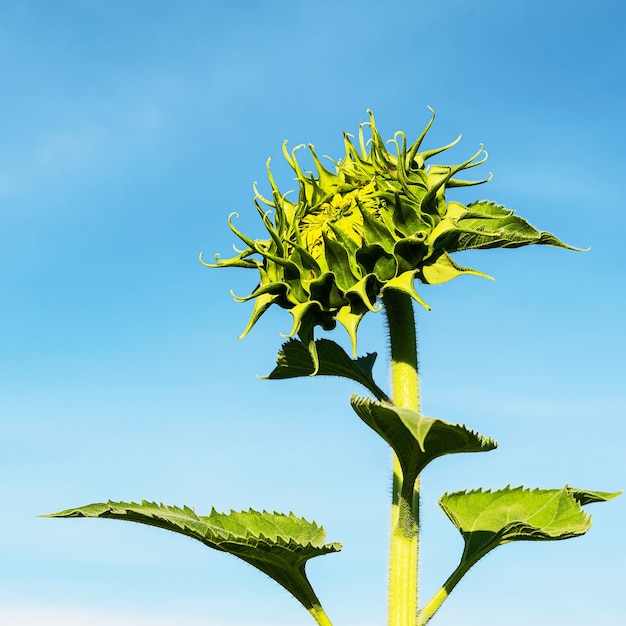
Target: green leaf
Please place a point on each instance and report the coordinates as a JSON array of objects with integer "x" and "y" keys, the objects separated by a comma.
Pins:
[
  {"x": 484, "y": 225},
  {"x": 416, "y": 439},
  {"x": 294, "y": 360},
  {"x": 278, "y": 545},
  {"x": 488, "y": 519}
]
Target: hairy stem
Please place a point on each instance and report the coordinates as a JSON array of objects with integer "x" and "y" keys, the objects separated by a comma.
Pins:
[
  {"x": 305, "y": 594},
  {"x": 403, "y": 557},
  {"x": 439, "y": 597}
]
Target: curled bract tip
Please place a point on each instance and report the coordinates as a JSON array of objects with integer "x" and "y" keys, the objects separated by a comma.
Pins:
[{"x": 232, "y": 216}]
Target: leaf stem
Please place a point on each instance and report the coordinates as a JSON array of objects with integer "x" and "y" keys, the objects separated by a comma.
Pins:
[
  {"x": 439, "y": 597},
  {"x": 404, "y": 544},
  {"x": 320, "y": 616},
  {"x": 303, "y": 592}
]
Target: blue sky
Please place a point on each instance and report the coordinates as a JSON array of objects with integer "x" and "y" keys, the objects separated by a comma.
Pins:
[{"x": 129, "y": 131}]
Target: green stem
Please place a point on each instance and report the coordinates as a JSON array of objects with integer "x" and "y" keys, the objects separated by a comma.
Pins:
[
  {"x": 433, "y": 605},
  {"x": 320, "y": 616},
  {"x": 404, "y": 545},
  {"x": 296, "y": 582}
]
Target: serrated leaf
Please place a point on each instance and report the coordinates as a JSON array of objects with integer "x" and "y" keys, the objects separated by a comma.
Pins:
[
  {"x": 484, "y": 225},
  {"x": 417, "y": 439},
  {"x": 487, "y": 519},
  {"x": 294, "y": 360},
  {"x": 279, "y": 545}
]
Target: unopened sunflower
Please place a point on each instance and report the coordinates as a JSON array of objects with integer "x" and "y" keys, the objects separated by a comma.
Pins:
[{"x": 379, "y": 220}]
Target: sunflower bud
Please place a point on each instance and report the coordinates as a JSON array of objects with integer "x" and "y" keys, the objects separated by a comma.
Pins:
[{"x": 379, "y": 221}]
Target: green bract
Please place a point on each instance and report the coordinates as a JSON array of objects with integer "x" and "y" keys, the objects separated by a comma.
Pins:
[{"x": 379, "y": 221}]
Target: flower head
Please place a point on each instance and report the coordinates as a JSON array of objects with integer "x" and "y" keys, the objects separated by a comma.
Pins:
[{"x": 378, "y": 221}]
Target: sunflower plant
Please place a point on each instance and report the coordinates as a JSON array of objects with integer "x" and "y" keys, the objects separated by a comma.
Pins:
[{"x": 356, "y": 239}]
